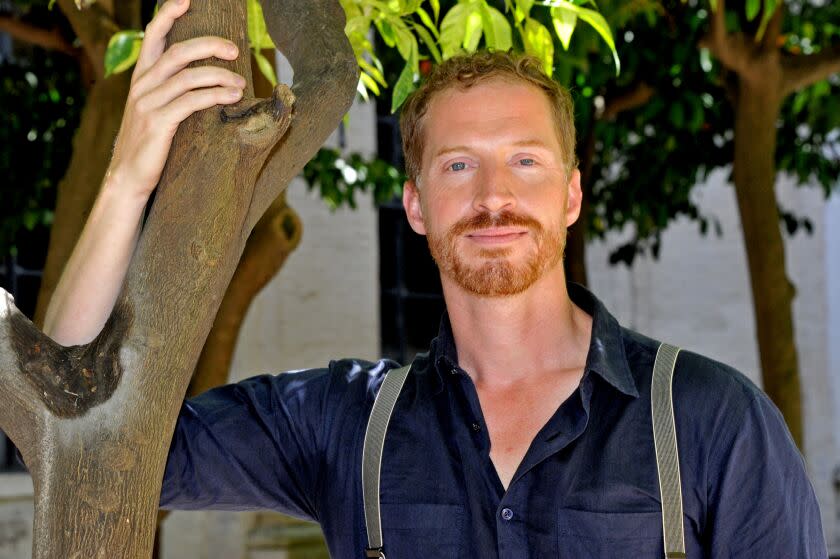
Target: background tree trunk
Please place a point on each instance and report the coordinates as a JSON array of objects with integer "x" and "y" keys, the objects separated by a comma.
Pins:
[
  {"x": 93, "y": 422},
  {"x": 761, "y": 77},
  {"x": 757, "y": 108}
]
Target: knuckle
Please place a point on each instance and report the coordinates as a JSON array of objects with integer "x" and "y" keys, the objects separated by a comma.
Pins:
[
  {"x": 134, "y": 95},
  {"x": 141, "y": 105},
  {"x": 177, "y": 51}
]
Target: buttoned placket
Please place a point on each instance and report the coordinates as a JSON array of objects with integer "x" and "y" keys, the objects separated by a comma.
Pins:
[{"x": 565, "y": 425}]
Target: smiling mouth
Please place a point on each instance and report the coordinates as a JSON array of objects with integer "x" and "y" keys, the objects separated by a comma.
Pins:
[{"x": 496, "y": 236}]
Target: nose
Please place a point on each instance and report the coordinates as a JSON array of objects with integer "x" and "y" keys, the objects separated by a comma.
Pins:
[{"x": 493, "y": 191}]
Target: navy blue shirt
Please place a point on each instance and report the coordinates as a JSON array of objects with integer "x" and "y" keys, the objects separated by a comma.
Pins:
[{"x": 587, "y": 486}]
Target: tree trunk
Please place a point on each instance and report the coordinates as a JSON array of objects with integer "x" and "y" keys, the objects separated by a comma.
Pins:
[
  {"x": 93, "y": 422},
  {"x": 758, "y": 103},
  {"x": 275, "y": 237}
]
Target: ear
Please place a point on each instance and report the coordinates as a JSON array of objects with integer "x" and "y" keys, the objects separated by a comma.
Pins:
[
  {"x": 574, "y": 198},
  {"x": 413, "y": 208}
]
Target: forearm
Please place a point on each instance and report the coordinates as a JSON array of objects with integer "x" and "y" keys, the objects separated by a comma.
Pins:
[
  {"x": 94, "y": 274},
  {"x": 164, "y": 91}
]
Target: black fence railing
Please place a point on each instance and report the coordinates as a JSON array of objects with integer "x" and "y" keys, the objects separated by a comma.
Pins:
[{"x": 411, "y": 299}]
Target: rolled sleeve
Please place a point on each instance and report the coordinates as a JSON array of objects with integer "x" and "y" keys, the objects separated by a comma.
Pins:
[{"x": 249, "y": 446}]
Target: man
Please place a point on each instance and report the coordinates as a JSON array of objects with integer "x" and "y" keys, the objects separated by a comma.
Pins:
[{"x": 525, "y": 431}]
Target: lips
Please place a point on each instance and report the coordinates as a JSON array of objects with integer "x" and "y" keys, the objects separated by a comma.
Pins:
[{"x": 497, "y": 235}]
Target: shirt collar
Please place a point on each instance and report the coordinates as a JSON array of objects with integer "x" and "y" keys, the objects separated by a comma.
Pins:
[{"x": 606, "y": 356}]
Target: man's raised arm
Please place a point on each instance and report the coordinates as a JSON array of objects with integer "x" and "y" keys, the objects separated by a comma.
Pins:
[{"x": 163, "y": 93}]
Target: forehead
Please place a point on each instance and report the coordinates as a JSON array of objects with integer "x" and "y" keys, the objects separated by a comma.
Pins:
[{"x": 492, "y": 111}]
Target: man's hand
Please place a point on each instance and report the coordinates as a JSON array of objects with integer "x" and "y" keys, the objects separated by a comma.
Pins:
[{"x": 163, "y": 93}]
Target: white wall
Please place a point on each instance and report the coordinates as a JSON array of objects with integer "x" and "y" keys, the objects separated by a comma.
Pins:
[{"x": 697, "y": 295}]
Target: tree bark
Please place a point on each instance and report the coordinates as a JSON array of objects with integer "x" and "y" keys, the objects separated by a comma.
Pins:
[
  {"x": 757, "y": 108},
  {"x": 93, "y": 422},
  {"x": 761, "y": 85},
  {"x": 273, "y": 239}
]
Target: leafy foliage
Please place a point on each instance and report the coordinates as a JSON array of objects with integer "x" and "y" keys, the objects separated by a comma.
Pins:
[
  {"x": 46, "y": 97},
  {"x": 405, "y": 24},
  {"x": 809, "y": 129},
  {"x": 338, "y": 178}
]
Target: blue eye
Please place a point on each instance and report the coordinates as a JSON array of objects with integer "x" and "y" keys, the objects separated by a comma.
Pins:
[
  {"x": 458, "y": 166},
  {"x": 527, "y": 161}
]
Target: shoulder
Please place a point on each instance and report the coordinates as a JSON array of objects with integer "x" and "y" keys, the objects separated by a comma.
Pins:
[
  {"x": 717, "y": 409},
  {"x": 698, "y": 379},
  {"x": 299, "y": 392}
]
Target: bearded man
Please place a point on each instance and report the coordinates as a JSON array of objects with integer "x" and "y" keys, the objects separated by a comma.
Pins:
[{"x": 525, "y": 430}]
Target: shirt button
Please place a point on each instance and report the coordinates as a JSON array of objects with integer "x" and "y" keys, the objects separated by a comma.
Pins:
[
  {"x": 507, "y": 514},
  {"x": 453, "y": 371},
  {"x": 476, "y": 427}
]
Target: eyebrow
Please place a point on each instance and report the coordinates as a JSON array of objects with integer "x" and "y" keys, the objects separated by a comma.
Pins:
[{"x": 531, "y": 142}]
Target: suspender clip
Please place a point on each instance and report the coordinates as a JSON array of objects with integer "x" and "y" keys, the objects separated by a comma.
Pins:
[{"x": 374, "y": 552}]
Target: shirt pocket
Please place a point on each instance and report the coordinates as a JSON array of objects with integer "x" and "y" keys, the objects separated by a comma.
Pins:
[
  {"x": 422, "y": 530},
  {"x": 617, "y": 535}
]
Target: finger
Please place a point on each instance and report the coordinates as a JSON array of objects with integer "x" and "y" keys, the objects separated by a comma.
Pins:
[
  {"x": 191, "y": 79},
  {"x": 179, "y": 55},
  {"x": 185, "y": 105},
  {"x": 154, "y": 37}
]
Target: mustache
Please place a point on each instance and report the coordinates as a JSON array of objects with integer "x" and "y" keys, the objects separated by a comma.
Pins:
[{"x": 486, "y": 220}]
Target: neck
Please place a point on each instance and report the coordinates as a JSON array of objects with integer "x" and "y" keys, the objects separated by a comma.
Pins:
[{"x": 505, "y": 340}]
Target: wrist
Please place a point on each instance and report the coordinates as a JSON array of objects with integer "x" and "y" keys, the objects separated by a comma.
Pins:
[
  {"x": 118, "y": 185},
  {"x": 120, "y": 196}
]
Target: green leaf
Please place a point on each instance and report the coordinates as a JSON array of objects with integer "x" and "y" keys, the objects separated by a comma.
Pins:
[
  {"x": 487, "y": 25},
  {"x": 593, "y": 18},
  {"x": 405, "y": 83},
  {"x": 752, "y": 8},
  {"x": 677, "y": 114},
  {"x": 521, "y": 10},
  {"x": 452, "y": 30},
  {"x": 429, "y": 41},
  {"x": 257, "y": 32},
  {"x": 357, "y": 24},
  {"x": 406, "y": 42},
  {"x": 122, "y": 51},
  {"x": 502, "y": 30},
  {"x": 497, "y": 32},
  {"x": 564, "y": 24},
  {"x": 265, "y": 67},
  {"x": 386, "y": 32},
  {"x": 373, "y": 71},
  {"x": 538, "y": 43},
  {"x": 370, "y": 83},
  {"x": 435, "y": 9},
  {"x": 427, "y": 21},
  {"x": 472, "y": 33},
  {"x": 799, "y": 101},
  {"x": 769, "y": 10}
]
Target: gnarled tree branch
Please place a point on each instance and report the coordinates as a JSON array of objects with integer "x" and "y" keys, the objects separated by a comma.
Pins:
[
  {"x": 50, "y": 39},
  {"x": 324, "y": 85},
  {"x": 22, "y": 409},
  {"x": 803, "y": 70},
  {"x": 734, "y": 50},
  {"x": 94, "y": 28}
]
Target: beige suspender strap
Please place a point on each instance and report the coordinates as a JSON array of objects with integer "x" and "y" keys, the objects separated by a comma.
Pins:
[
  {"x": 665, "y": 442},
  {"x": 380, "y": 416}
]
